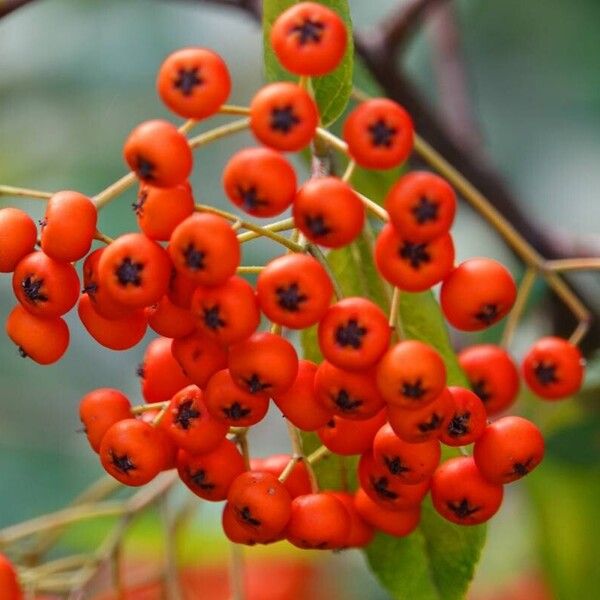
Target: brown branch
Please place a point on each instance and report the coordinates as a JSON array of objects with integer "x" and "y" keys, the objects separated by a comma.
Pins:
[
  {"x": 456, "y": 106},
  {"x": 8, "y": 6},
  {"x": 398, "y": 26}
]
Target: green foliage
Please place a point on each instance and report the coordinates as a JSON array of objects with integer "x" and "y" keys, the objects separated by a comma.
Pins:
[{"x": 332, "y": 91}]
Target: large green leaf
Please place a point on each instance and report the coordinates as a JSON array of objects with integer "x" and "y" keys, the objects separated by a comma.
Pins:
[{"x": 332, "y": 91}]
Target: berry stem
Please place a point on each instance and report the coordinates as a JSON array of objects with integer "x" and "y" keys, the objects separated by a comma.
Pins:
[
  {"x": 137, "y": 410},
  {"x": 250, "y": 269},
  {"x": 160, "y": 416},
  {"x": 241, "y": 439},
  {"x": 261, "y": 231},
  {"x": 236, "y": 571},
  {"x": 525, "y": 287},
  {"x": 318, "y": 454},
  {"x": 102, "y": 237},
  {"x": 573, "y": 264},
  {"x": 219, "y": 132},
  {"x": 233, "y": 109},
  {"x": 296, "y": 442},
  {"x": 347, "y": 176},
  {"x": 287, "y": 471},
  {"x": 8, "y": 190},
  {"x": 284, "y": 225}
]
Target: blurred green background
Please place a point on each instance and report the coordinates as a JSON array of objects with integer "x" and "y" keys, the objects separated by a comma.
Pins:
[{"x": 76, "y": 76}]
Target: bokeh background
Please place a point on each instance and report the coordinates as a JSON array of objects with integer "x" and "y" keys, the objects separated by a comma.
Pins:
[{"x": 76, "y": 76}]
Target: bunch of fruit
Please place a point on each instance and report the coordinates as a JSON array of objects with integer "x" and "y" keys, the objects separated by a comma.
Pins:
[{"x": 212, "y": 373}]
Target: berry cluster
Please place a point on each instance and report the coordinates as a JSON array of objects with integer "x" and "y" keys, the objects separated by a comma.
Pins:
[{"x": 212, "y": 372}]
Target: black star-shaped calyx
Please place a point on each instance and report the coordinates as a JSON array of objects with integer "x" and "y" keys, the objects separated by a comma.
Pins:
[
  {"x": 488, "y": 314},
  {"x": 138, "y": 205},
  {"x": 395, "y": 465},
  {"x": 425, "y": 210},
  {"x": 245, "y": 515},
  {"x": 431, "y": 425},
  {"x": 413, "y": 390},
  {"x": 522, "y": 468},
  {"x": 382, "y": 134},
  {"x": 194, "y": 258},
  {"x": 415, "y": 254},
  {"x": 255, "y": 385},
  {"x": 122, "y": 463},
  {"x": 290, "y": 297},
  {"x": 462, "y": 509},
  {"x": 212, "y": 318},
  {"x": 250, "y": 198},
  {"x": 187, "y": 80},
  {"x": 236, "y": 411},
  {"x": 186, "y": 413},
  {"x": 200, "y": 480},
  {"x": 350, "y": 334},
  {"x": 480, "y": 389},
  {"x": 145, "y": 169},
  {"x": 129, "y": 272},
  {"x": 316, "y": 225},
  {"x": 283, "y": 119},
  {"x": 140, "y": 370},
  {"x": 459, "y": 424},
  {"x": 345, "y": 402},
  {"x": 32, "y": 289},
  {"x": 308, "y": 32},
  {"x": 380, "y": 485},
  {"x": 545, "y": 373}
]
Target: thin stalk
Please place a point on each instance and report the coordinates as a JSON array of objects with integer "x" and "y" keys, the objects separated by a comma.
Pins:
[
  {"x": 137, "y": 410},
  {"x": 17, "y": 192},
  {"x": 572, "y": 264},
  {"x": 284, "y": 225},
  {"x": 236, "y": 571},
  {"x": 250, "y": 269},
  {"x": 219, "y": 132},
  {"x": 350, "y": 168},
  {"x": 233, "y": 109},
  {"x": 320, "y": 453},
  {"x": 102, "y": 237},
  {"x": 516, "y": 313}
]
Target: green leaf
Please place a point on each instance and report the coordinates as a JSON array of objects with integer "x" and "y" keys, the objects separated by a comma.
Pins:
[
  {"x": 332, "y": 91},
  {"x": 436, "y": 562}
]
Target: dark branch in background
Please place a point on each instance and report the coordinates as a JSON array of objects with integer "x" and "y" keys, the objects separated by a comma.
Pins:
[
  {"x": 397, "y": 28},
  {"x": 455, "y": 103},
  {"x": 8, "y": 6},
  {"x": 376, "y": 48}
]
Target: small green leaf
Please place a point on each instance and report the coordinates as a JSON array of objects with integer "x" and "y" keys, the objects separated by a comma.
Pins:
[
  {"x": 436, "y": 562},
  {"x": 332, "y": 91}
]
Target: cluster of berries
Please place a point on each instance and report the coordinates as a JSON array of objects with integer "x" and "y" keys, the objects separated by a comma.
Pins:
[{"x": 213, "y": 372}]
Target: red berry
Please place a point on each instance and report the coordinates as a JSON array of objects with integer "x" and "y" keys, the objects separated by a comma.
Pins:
[
  {"x": 309, "y": 39},
  {"x": 347, "y": 437},
  {"x": 69, "y": 225},
  {"x": 233, "y": 405},
  {"x": 477, "y": 294},
  {"x": 283, "y": 116},
  {"x": 18, "y": 235},
  {"x": 379, "y": 134},
  {"x": 413, "y": 266},
  {"x": 407, "y": 463},
  {"x": 297, "y": 483},
  {"x": 328, "y": 212},
  {"x": 361, "y": 532},
  {"x": 211, "y": 474},
  {"x": 260, "y": 181},
  {"x": 553, "y": 368},
  {"x": 294, "y": 290},
  {"x": 264, "y": 363},
  {"x": 169, "y": 320},
  {"x": 261, "y": 506},
  {"x": 354, "y": 333},
  {"x": 398, "y": 523},
  {"x": 411, "y": 375},
  {"x": 467, "y": 418},
  {"x": 318, "y": 521},
  {"x": 193, "y": 82},
  {"x": 347, "y": 394},
  {"x": 205, "y": 249},
  {"x": 299, "y": 404},
  {"x": 99, "y": 410},
  {"x": 199, "y": 357},
  {"x": 43, "y": 340},
  {"x": 9, "y": 582},
  {"x": 461, "y": 494},
  {"x": 421, "y": 206},
  {"x": 228, "y": 313},
  {"x": 160, "y": 210},
  {"x": 44, "y": 286},
  {"x": 132, "y": 452},
  {"x": 492, "y": 374},
  {"x": 508, "y": 449},
  {"x": 158, "y": 154},
  {"x": 189, "y": 424}
]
